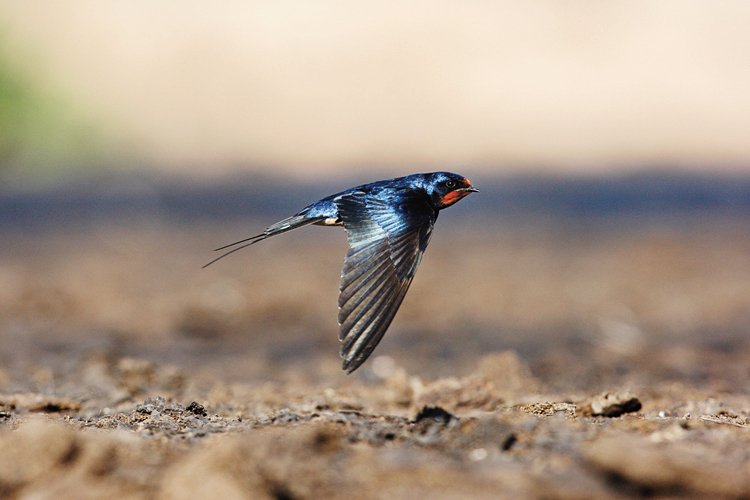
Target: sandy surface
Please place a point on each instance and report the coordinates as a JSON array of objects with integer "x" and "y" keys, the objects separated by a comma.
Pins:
[{"x": 537, "y": 359}]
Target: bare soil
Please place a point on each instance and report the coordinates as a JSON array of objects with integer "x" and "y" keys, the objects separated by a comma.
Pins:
[{"x": 539, "y": 359}]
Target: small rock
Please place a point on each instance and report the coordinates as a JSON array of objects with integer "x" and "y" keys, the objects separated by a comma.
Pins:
[
  {"x": 509, "y": 442},
  {"x": 610, "y": 404},
  {"x": 478, "y": 454},
  {"x": 197, "y": 409},
  {"x": 434, "y": 413}
]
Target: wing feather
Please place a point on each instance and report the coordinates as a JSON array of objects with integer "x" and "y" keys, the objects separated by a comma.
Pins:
[
  {"x": 387, "y": 237},
  {"x": 352, "y": 285}
]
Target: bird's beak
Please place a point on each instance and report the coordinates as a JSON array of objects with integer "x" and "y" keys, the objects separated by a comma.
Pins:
[{"x": 469, "y": 187}]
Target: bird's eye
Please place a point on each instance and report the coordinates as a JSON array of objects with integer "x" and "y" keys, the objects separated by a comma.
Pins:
[{"x": 450, "y": 184}]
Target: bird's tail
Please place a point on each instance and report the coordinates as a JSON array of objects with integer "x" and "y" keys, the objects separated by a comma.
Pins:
[{"x": 282, "y": 226}]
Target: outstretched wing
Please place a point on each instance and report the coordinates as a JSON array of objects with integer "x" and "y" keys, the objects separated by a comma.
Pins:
[{"x": 387, "y": 236}]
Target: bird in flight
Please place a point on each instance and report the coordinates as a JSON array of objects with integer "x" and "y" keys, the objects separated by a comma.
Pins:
[{"x": 388, "y": 226}]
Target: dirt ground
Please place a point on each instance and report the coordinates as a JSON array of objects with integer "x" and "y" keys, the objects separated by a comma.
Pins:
[{"x": 531, "y": 359}]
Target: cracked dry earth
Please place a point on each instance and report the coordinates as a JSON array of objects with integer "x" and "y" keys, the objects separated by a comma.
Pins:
[{"x": 124, "y": 377}]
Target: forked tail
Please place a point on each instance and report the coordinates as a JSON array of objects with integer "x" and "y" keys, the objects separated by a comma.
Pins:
[{"x": 282, "y": 226}]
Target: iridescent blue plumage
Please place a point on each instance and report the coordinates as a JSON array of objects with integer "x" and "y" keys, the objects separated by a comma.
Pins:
[{"x": 388, "y": 225}]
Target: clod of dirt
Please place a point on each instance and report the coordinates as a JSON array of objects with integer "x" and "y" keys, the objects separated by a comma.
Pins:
[
  {"x": 434, "y": 413},
  {"x": 431, "y": 423},
  {"x": 610, "y": 404},
  {"x": 727, "y": 418},
  {"x": 197, "y": 409},
  {"x": 549, "y": 409}
]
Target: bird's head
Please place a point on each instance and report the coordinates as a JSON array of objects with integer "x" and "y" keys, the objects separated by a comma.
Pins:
[{"x": 446, "y": 188}]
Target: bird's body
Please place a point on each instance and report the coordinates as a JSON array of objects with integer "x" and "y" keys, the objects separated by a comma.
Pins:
[{"x": 388, "y": 225}]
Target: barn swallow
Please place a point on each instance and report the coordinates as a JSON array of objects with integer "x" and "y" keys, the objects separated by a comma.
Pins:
[{"x": 388, "y": 226}]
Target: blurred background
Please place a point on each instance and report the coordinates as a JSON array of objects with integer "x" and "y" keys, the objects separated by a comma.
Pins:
[{"x": 609, "y": 139}]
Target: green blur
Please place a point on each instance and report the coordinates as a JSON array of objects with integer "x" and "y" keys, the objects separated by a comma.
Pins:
[{"x": 42, "y": 133}]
